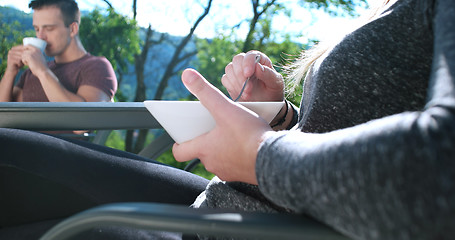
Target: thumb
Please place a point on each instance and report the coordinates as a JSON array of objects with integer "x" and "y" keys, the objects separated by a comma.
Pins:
[{"x": 211, "y": 98}]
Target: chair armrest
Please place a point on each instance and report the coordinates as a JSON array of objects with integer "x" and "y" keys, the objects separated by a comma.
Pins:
[{"x": 210, "y": 222}]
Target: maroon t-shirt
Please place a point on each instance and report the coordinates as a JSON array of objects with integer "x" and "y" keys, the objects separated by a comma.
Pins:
[{"x": 88, "y": 70}]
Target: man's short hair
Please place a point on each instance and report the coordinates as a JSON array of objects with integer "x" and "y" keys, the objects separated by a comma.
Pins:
[{"x": 70, "y": 10}]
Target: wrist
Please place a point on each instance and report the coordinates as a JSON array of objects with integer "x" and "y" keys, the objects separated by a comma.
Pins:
[
  {"x": 8, "y": 76},
  {"x": 42, "y": 73},
  {"x": 11, "y": 71},
  {"x": 280, "y": 118}
]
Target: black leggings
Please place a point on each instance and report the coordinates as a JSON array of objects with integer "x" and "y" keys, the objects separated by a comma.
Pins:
[{"x": 44, "y": 177}]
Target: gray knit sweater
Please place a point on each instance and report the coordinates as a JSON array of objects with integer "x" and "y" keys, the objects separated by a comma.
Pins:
[{"x": 375, "y": 154}]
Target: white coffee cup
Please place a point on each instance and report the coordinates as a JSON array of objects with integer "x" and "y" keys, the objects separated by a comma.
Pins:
[{"x": 36, "y": 42}]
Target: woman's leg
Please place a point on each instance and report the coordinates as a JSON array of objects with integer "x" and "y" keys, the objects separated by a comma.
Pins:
[{"x": 45, "y": 177}]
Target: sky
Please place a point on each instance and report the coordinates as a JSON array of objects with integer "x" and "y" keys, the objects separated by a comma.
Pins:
[{"x": 177, "y": 16}]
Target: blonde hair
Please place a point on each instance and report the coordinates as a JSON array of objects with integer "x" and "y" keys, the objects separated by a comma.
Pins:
[{"x": 297, "y": 71}]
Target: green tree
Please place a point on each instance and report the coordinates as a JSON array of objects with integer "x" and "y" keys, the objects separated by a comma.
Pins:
[
  {"x": 179, "y": 54},
  {"x": 178, "y": 57},
  {"x": 334, "y": 7},
  {"x": 258, "y": 11},
  {"x": 213, "y": 56},
  {"x": 10, "y": 35},
  {"x": 113, "y": 36}
]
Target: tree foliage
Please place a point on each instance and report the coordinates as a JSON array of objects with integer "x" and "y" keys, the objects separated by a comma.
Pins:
[
  {"x": 213, "y": 56},
  {"x": 110, "y": 34},
  {"x": 179, "y": 54},
  {"x": 10, "y": 35},
  {"x": 258, "y": 10},
  {"x": 178, "y": 57},
  {"x": 334, "y": 7}
]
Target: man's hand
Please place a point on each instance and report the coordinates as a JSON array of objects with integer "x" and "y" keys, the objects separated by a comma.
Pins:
[
  {"x": 34, "y": 59},
  {"x": 230, "y": 149},
  {"x": 15, "y": 63},
  {"x": 265, "y": 84}
]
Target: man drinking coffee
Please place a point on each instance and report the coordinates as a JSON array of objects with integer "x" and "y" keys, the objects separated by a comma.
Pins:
[{"x": 73, "y": 76}]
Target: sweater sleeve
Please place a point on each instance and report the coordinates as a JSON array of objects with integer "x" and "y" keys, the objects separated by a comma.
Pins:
[{"x": 391, "y": 178}]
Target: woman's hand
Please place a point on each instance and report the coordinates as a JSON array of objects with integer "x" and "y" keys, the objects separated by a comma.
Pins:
[
  {"x": 265, "y": 84},
  {"x": 230, "y": 149}
]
